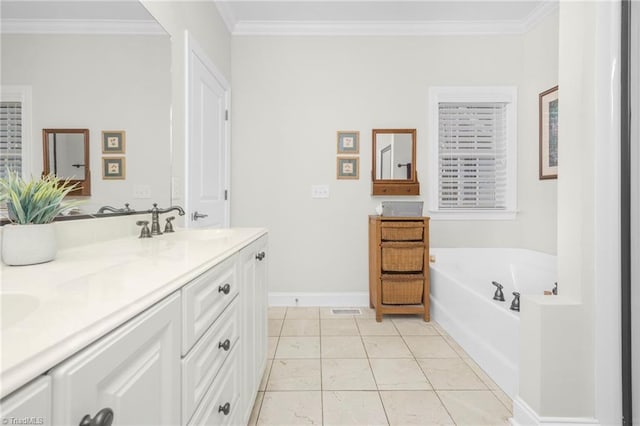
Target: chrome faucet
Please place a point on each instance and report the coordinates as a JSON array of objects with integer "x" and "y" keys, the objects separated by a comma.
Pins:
[
  {"x": 115, "y": 210},
  {"x": 155, "y": 216}
]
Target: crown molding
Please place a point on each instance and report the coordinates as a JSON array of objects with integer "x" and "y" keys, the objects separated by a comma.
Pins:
[{"x": 72, "y": 26}]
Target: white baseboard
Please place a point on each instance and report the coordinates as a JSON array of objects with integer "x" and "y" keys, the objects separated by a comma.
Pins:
[
  {"x": 524, "y": 415},
  {"x": 355, "y": 299}
]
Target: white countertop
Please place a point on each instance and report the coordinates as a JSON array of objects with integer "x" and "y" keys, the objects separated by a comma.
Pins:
[{"x": 52, "y": 310}]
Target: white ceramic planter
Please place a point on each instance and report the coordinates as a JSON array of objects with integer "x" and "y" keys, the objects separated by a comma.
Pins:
[{"x": 28, "y": 244}]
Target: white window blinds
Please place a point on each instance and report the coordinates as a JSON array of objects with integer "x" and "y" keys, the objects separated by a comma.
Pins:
[
  {"x": 472, "y": 155},
  {"x": 10, "y": 137}
]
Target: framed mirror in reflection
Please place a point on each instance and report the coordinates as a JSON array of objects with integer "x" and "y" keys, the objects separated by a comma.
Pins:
[
  {"x": 394, "y": 162},
  {"x": 66, "y": 155}
]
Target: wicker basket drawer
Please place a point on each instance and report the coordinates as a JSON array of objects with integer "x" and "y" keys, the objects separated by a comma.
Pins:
[
  {"x": 402, "y": 231},
  {"x": 402, "y": 290},
  {"x": 402, "y": 258}
]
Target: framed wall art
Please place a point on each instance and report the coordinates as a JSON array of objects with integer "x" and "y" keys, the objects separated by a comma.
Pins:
[
  {"x": 348, "y": 168},
  {"x": 548, "y": 104},
  {"x": 113, "y": 141},
  {"x": 348, "y": 142},
  {"x": 113, "y": 167}
]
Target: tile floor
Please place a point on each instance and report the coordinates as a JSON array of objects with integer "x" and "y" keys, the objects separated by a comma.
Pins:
[{"x": 325, "y": 369}]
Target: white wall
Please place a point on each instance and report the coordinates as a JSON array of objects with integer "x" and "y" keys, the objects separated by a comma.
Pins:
[
  {"x": 100, "y": 82},
  {"x": 291, "y": 95}
]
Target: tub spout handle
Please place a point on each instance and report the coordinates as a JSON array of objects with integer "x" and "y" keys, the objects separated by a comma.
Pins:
[
  {"x": 515, "y": 304},
  {"x": 498, "y": 295},
  {"x": 555, "y": 289}
]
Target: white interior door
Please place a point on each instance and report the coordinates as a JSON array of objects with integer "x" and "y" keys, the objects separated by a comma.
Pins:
[{"x": 207, "y": 167}]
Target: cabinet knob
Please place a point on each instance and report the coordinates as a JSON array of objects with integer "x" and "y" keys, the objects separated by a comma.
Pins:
[
  {"x": 261, "y": 255},
  {"x": 224, "y": 345},
  {"x": 103, "y": 417},
  {"x": 224, "y": 288},
  {"x": 225, "y": 409}
]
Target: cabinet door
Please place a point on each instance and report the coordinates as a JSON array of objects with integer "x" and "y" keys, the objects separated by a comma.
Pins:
[
  {"x": 31, "y": 404},
  {"x": 134, "y": 370},
  {"x": 253, "y": 297}
]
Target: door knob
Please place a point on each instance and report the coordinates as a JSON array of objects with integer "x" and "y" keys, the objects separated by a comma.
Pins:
[{"x": 196, "y": 215}]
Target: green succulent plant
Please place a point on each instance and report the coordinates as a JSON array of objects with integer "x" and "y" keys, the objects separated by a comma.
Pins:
[{"x": 35, "y": 201}]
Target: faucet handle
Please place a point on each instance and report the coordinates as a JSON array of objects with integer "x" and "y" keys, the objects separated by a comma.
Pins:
[
  {"x": 168, "y": 227},
  {"x": 498, "y": 295},
  {"x": 144, "y": 232}
]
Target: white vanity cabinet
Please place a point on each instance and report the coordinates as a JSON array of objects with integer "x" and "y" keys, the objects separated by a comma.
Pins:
[
  {"x": 253, "y": 316},
  {"x": 31, "y": 404},
  {"x": 134, "y": 371}
]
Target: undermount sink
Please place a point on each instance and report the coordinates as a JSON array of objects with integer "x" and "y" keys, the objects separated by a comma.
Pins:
[
  {"x": 200, "y": 234},
  {"x": 15, "y": 307}
]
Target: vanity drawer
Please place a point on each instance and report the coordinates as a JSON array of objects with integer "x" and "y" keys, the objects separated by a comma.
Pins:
[
  {"x": 222, "y": 396},
  {"x": 402, "y": 231},
  {"x": 204, "y": 299},
  {"x": 402, "y": 289},
  {"x": 201, "y": 365},
  {"x": 402, "y": 257}
]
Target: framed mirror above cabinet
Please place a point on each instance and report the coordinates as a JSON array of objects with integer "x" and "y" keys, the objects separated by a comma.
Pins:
[
  {"x": 394, "y": 162},
  {"x": 66, "y": 155}
]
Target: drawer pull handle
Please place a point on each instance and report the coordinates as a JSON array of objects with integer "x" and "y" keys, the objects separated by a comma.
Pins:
[
  {"x": 104, "y": 417},
  {"x": 224, "y": 288},
  {"x": 261, "y": 255},
  {"x": 224, "y": 345},
  {"x": 225, "y": 409}
]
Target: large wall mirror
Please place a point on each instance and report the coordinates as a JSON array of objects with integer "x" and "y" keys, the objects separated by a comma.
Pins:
[
  {"x": 394, "y": 162},
  {"x": 66, "y": 155}
]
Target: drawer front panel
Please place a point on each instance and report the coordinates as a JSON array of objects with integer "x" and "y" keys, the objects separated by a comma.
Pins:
[
  {"x": 399, "y": 290},
  {"x": 204, "y": 299},
  {"x": 202, "y": 364},
  {"x": 399, "y": 258},
  {"x": 402, "y": 231},
  {"x": 224, "y": 390}
]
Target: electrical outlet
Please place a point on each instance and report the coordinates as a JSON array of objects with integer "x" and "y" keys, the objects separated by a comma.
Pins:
[
  {"x": 320, "y": 191},
  {"x": 141, "y": 191}
]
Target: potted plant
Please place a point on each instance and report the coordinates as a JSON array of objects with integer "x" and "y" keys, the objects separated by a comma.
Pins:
[{"x": 32, "y": 206}]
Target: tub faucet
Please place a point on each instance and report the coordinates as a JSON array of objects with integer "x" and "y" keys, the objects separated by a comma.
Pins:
[
  {"x": 515, "y": 305},
  {"x": 555, "y": 289},
  {"x": 155, "y": 217},
  {"x": 498, "y": 295}
]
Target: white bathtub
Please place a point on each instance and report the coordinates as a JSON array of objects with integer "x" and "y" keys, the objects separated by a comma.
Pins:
[{"x": 462, "y": 302}]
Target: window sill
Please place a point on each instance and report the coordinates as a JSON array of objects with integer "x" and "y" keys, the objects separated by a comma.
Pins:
[{"x": 473, "y": 215}]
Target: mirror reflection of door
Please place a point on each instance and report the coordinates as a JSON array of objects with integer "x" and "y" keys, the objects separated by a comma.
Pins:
[
  {"x": 386, "y": 162},
  {"x": 394, "y": 156},
  {"x": 66, "y": 155}
]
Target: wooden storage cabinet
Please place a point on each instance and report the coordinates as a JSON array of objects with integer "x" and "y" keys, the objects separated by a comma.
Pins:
[{"x": 399, "y": 265}]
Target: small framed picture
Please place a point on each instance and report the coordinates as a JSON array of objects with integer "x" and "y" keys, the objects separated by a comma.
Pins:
[
  {"x": 548, "y": 117},
  {"x": 113, "y": 141},
  {"x": 348, "y": 168},
  {"x": 113, "y": 167},
  {"x": 348, "y": 142}
]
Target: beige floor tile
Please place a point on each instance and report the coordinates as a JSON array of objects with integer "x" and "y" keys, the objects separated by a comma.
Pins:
[
  {"x": 414, "y": 408},
  {"x": 302, "y": 313},
  {"x": 474, "y": 408},
  {"x": 414, "y": 327},
  {"x": 347, "y": 374},
  {"x": 291, "y": 408},
  {"x": 456, "y": 347},
  {"x": 271, "y": 348},
  {"x": 480, "y": 373},
  {"x": 256, "y": 409},
  {"x": 430, "y": 347},
  {"x": 276, "y": 312},
  {"x": 504, "y": 398},
  {"x": 398, "y": 374},
  {"x": 450, "y": 374},
  {"x": 370, "y": 327},
  {"x": 338, "y": 327},
  {"x": 298, "y": 347},
  {"x": 439, "y": 328},
  {"x": 367, "y": 312},
  {"x": 350, "y": 408},
  {"x": 265, "y": 375},
  {"x": 342, "y": 347},
  {"x": 275, "y": 325},
  {"x": 294, "y": 374},
  {"x": 300, "y": 327},
  {"x": 386, "y": 347}
]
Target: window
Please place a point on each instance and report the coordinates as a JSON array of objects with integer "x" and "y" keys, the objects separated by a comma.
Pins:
[
  {"x": 473, "y": 152},
  {"x": 15, "y": 138}
]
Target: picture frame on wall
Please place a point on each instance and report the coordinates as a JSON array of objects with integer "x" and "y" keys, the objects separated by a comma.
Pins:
[
  {"x": 113, "y": 141},
  {"x": 113, "y": 167},
  {"x": 348, "y": 142},
  {"x": 348, "y": 168},
  {"x": 548, "y": 128}
]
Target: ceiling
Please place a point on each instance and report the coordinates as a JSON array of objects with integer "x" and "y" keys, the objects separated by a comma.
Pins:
[{"x": 288, "y": 17}]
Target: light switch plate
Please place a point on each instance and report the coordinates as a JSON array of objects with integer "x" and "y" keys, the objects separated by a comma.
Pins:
[{"x": 320, "y": 191}]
